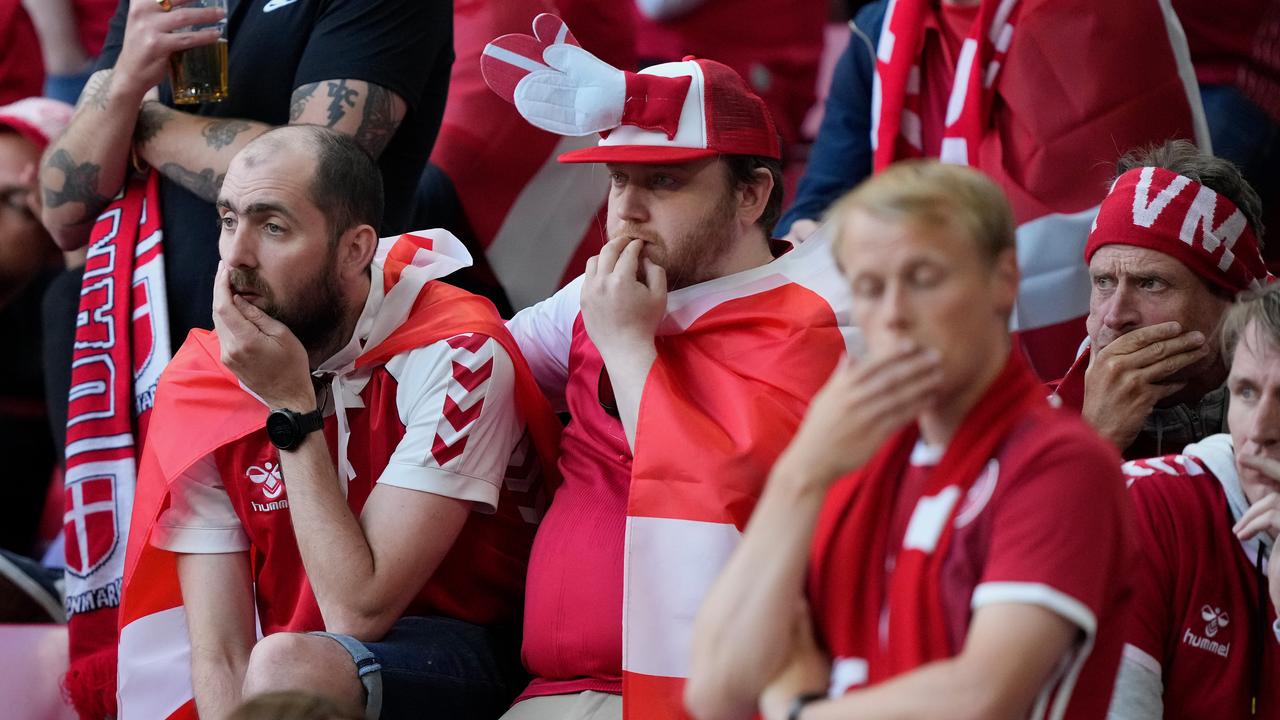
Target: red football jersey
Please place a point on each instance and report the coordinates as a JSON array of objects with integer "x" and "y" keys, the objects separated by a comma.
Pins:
[
  {"x": 1196, "y": 618},
  {"x": 481, "y": 578},
  {"x": 1047, "y": 523}
]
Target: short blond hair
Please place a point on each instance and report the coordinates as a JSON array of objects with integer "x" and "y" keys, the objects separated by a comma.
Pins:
[
  {"x": 933, "y": 194},
  {"x": 1256, "y": 306}
]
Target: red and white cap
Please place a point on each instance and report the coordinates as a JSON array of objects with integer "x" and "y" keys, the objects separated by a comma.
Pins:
[
  {"x": 37, "y": 119},
  {"x": 670, "y": 113}
]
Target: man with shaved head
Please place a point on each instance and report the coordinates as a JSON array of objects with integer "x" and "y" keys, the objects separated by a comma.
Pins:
[{"x": 383, "y": 558}]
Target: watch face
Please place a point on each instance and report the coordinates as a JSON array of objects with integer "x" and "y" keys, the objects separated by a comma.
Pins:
[{"x": 282, "y": 429}]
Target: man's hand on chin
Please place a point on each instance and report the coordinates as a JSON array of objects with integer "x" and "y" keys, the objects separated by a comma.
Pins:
[
  {"x": 1263, "y": 517},
  {"x": 263, "y": 353},
  {"x": 624, "y": 297}
]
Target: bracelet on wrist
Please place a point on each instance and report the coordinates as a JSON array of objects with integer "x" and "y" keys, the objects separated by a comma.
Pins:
[{"x": 802, "y": 701}]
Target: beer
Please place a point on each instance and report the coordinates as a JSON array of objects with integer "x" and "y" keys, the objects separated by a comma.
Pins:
[{"x": 199, "y": 74}]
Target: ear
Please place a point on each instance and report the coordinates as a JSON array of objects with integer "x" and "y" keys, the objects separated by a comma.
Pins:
[
  {"x": 1005, "y": 277},
  {"x": 355, "y": 251},
  {"x": 753, "y": 198}
]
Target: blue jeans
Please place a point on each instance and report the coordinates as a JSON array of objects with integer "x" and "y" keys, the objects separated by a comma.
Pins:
[{"x": 428, "y": 667}]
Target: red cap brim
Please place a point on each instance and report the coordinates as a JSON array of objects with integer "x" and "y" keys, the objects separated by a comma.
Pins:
[
  {"x": 25, "y": 129},
  {"x": 638, "y": 154}
]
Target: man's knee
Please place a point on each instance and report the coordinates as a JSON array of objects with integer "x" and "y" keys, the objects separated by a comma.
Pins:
[{"x": 293, "y": 661}]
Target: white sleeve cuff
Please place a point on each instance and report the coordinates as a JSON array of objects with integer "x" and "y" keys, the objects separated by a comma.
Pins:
[
  {"x": 1033, "y": 593},
  {"x": 199, "y": 541},
  {"x": 482, "y": 493}
]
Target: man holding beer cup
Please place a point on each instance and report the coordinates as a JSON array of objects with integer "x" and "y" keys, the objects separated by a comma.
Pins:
[{"x": 180, "y": 87}]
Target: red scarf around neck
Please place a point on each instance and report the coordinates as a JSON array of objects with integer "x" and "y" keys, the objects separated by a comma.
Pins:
[
  {"x": 897, "y": 90},
  {"x": 847, "y": 586}
]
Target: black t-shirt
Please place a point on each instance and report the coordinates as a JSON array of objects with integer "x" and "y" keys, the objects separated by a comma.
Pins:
[{"x": 276, "y": 46}]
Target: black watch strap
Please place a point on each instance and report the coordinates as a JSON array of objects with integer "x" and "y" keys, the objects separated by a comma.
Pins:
[
  {"x": 310, "y": 422},
  {"x": 287, "y": 429},
  {"x": 802, "y": 701}
]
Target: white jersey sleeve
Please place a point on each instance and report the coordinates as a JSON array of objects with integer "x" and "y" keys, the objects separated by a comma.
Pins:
[
  {"x": 544, "y": 333},
  {"x": 456, "y": 399},
  {"x": 200, "y": 518}
]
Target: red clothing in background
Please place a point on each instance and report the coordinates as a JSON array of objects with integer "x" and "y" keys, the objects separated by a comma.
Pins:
[
  {"x": 21, "y": 66},
  {"x": 1196, "y": 617},
  {"x": 92, "y": 19},
  {"x": 775, "y": 45}
]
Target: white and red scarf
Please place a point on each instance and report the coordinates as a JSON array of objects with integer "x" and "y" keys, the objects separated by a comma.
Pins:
[
  {"x": 1046, "y": 95},
  {"x": 896, "y": 88},
  {"x": 851, "y": 539},
  {"x": 121, "y": 345}
]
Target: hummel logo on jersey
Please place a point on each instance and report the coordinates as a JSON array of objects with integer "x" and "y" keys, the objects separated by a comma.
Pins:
[
  {"x": 1216, "y": 620},
  {"x": 276, "y": 5},
  {"x": 267, "y": 476}
]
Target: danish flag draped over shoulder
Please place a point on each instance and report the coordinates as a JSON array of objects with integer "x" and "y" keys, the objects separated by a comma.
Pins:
[
  {"x": 1047, "y": 95},
  {"x": 155, "y": 654},
  {"x": 738, "y": 360},
  {"x": 121, "y": 346}
]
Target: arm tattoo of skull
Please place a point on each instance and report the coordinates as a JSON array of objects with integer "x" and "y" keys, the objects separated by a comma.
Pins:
[{"x": 80, "y": 186}]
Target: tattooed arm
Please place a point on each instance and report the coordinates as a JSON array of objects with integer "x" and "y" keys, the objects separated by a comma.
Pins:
[
  {"x": 85, "y": 167},
  {"x": 191, "y": 150},
  {"x": 368, "y": 112},
  {"x": 195, "y": 151}
]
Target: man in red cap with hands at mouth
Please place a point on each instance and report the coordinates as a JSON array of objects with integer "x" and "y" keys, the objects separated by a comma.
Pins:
[{"x": 684, "y": 356}]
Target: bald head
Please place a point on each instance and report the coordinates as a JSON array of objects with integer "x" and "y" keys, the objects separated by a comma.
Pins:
[{"x": 346, "y": 183}]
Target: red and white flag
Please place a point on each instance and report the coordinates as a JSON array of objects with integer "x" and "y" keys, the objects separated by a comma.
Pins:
[
  {"x": 739, "y": 358},
  {"x": 1047, "y": 95}
]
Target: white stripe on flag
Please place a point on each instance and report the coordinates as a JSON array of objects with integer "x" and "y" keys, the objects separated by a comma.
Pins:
[
  {"x": 809, "y": 265},
  {"x": 960, "y": 90},
  {"x": 511, "y": 58},
  {"x": 533, "y": 247},
  {"x": 1055, "y": 280},
  {"x": 155, "y": 666},
  {"x": 669, "y": 567}
]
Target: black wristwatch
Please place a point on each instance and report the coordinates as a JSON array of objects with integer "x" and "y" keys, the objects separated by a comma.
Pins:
[
  {"x": 798, "y": 705},
  {"x": 287, "y": 429}
]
